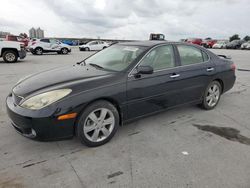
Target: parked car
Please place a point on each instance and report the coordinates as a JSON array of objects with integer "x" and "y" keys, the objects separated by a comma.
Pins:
[
  {"x": 93, "y": 45},
  {"x": 10, "y": 51},
  {"x": 235, "y": 44},
  {"x": 194, "y": 41},
  {"x": 245, "y": 45},
  {"x": 116, "y": 85},
  {"x": 68, "y": 42},
  {"x": 220, "y": 44},
  {"x": 208, "y": 43},
  {"x": 40, "y": 46}
]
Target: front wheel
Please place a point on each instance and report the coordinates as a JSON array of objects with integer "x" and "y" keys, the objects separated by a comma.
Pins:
[
  {"x": 10, "y": 56},
  {"x": 98, "y": 123},
  {"x": 212, "y": 95}
]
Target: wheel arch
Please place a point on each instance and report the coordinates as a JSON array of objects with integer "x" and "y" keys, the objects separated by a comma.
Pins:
[
  {"x": 9, "y": 49},
  {"x": 108, "y": 99},
  {"x": 221, "y": 83}
]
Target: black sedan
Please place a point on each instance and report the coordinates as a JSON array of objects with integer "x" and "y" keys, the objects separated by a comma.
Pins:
[{"x": 126, "y": 81}]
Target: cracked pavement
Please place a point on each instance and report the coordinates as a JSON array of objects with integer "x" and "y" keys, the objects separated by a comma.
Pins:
[{"x": 145, "y": 153}]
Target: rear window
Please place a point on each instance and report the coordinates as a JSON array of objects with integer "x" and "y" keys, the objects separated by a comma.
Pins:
[{"x": 45, "y": 40}]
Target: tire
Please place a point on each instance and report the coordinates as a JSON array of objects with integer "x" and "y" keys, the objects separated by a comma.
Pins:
[
  {"x": 104, "y": 47},
  {"x": 211, "y": 95},
  {"x": 10, "y": 56},
  {"x": 38, "y": 51},
  {"x": 87, "y": 49},
  {"x": 64, "y": 51},
  {"x": 90, "y": 127}
]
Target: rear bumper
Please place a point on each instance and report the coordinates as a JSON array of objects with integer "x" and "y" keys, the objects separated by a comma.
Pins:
[
  {"x": 35, "y": 125},
  {"x": 229, "y": 82},
  {"x": 22, "y": 54}
]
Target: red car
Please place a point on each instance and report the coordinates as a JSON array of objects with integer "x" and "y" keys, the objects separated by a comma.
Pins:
[
  {"x": 194, "y": 41},
  {"x": 208, "y": 43},
  {"x": 25, "y": 41}
]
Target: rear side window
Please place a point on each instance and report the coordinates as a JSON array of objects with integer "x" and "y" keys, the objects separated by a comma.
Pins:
[
  {"x": 45, "y": 40},
  {"x": 205, "y": 56},
  {"x": 190, "y": 55}
]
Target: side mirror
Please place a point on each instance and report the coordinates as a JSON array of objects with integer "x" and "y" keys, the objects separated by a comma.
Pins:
[{"x": 145, "y": 70}]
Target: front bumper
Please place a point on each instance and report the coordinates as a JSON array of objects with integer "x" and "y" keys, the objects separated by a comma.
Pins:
[
  {"x": 36, "y": 125},
  {"x": 22, "y": 53}
]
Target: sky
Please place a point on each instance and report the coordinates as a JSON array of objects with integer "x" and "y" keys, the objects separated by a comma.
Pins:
[{"x": 127, "y": 19}]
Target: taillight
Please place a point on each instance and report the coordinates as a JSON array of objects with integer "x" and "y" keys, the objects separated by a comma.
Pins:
[
  {"x": 33, "y": 43},
  {"x": 233, "y": 67}
]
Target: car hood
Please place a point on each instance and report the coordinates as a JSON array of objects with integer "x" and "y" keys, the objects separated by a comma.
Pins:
[{"x": 64, "y": 77}]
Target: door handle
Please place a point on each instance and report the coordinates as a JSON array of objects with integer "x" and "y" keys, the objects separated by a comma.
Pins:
[
  {"x": 174, "y": 76},
  {"x": 210, "y": 69}
]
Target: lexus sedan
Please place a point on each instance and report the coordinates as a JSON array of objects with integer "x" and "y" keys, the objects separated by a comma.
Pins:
[{"x": 126, "y": 81}]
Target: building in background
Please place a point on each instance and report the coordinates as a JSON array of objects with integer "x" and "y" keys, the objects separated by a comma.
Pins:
[
  {"x": 3, "y": 34},
  {"x": 36, "y": 33}
]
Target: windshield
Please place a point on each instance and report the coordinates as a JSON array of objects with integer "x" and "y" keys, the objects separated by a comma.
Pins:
[{"x": 115, "y": 58}]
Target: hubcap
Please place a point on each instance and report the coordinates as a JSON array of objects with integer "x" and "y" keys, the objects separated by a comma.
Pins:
[
  {"x": 99, "y": 124},
  {"x": 10, "y": 57},
  {"x": 213, "y": 95}
]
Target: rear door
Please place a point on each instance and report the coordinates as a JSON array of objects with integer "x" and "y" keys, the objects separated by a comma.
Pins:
[
  {"x": 45, "y": 44},
  {"x": 196, "y": 70}
]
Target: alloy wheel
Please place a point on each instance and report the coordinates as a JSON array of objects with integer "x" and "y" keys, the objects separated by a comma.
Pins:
[
  {"x": 39, "y": 51},
  {"x": 213, "y": 95},
  {"x": 99, "y": 124}
]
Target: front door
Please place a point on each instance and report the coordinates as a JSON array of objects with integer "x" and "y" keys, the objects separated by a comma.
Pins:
[{"x": 148, "y": 93}]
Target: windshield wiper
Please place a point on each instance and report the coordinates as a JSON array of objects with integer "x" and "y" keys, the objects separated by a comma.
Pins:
[
  {"x": 79, "y": 63},
  {"x": 96, "y": 66}
]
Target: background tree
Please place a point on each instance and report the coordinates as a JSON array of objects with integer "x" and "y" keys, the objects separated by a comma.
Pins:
[
  {"x": 234, "y": 37},
  {"x": 247, "y": 38}
]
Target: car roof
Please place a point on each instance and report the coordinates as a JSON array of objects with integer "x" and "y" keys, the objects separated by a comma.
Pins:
[{"x": 150, "y": 43}]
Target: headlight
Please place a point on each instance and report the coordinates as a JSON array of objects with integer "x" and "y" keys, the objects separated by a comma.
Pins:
[{"x": 40, "y": 101}]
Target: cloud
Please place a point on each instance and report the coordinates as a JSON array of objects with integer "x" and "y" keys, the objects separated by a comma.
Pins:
[{"x": 130, "y": 19}]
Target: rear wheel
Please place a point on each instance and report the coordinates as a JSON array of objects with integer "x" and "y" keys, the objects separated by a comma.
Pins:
[
  {"x": 64, "y": 51},
  {"x": 98, "y": 123},
  {"x": 87, "y": 49},
  {"x": 10, "y": 56},
  {"x": 212, "y": 95},
  {"x": 39, "y": 51}
]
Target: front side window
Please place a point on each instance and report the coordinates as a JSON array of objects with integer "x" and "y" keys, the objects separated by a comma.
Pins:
[
  {"x": 190, "y": 55},
  {"x": 116, "y": 57},
  {"x": 160, "y": 58}
]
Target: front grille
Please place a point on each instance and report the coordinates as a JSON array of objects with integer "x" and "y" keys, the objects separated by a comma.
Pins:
[{"x": 17, "y": 99}]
